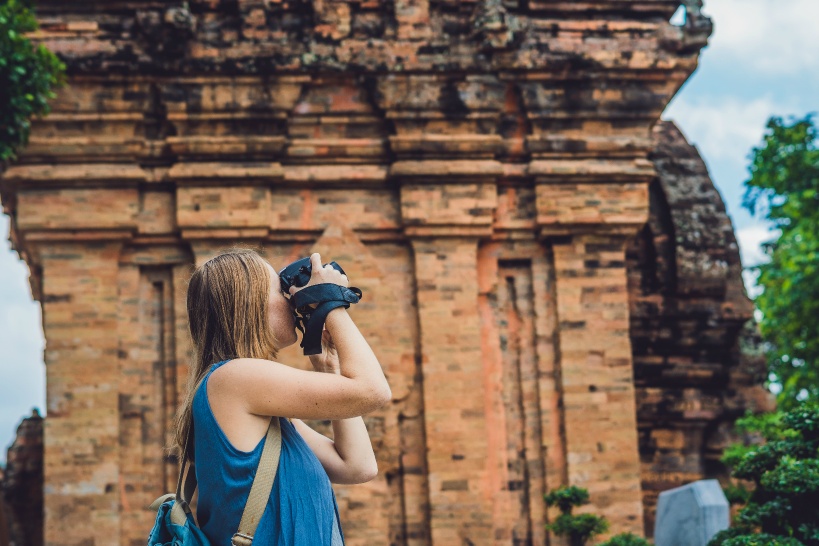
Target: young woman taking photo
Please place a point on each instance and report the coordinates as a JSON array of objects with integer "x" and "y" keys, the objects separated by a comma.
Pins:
[{"x": 239, "y": 319}]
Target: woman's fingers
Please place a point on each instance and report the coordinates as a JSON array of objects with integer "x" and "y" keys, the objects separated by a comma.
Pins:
[
  {"x": 315, "y": 262},
  {"x": 322, "y": 274}
]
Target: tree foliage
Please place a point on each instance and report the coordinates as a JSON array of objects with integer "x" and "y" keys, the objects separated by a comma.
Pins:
[
  {"x": 783, "y": 505},
  {"x": 626, "y": 539},
  {"x": 567, "y": 498},
  {"x": 784, "y": 188},
  {"x": 28, "y": 76},
  {"x": 577, "y": 528}
]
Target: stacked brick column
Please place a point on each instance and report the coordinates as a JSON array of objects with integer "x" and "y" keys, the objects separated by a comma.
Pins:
[
  {"x": 588, "y": 222},
  {"x": 444, "y": 222},
  {"x": 596, "y": 373},
  {"x": 82, "y": 430},
  {"x": 456, "y": 431}
]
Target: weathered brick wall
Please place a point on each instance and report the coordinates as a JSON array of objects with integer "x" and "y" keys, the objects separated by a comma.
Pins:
[
  {"x": 688, "y": 309},
  {"x": 21, "y": 486},
  {"x": 478, "y": 168}
]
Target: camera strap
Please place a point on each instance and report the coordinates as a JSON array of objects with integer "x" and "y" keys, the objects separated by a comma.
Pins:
[{"x": 326, "y": 297}]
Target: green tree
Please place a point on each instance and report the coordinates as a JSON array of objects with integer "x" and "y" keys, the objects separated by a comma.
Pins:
[
  {"x": 783, "y": 506},
  {"x": 578, "y": 528},
  {"x": 626, "y": 539},
  {"x": 28, "y": 76},
  {"x": 784, "y": 188}
]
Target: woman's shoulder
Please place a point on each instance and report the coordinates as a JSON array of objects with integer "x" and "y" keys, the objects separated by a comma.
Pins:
[
  {"x": 224, "y": 368},
  {"x": 201, "y": 390},
  {"x": 239, "y": 372}
]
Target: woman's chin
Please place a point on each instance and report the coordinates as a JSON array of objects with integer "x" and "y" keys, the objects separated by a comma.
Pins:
[
  {"x": 285, "y": 343},
  {"x": 294, "y": 340}
]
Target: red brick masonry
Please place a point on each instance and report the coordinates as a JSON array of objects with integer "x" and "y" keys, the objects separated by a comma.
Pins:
[{"x": 481, "y": 169}]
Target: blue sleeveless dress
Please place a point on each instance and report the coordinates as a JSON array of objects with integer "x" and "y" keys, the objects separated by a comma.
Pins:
[{"x": 302, "y": 509}]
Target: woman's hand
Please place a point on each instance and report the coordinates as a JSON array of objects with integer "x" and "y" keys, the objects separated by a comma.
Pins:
[
  {"x": 327, "y": 361},
  {"x": 320, "y": 274}
]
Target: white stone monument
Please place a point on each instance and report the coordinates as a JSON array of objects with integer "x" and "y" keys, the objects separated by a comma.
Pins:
[{"x": 691, "y": 515}]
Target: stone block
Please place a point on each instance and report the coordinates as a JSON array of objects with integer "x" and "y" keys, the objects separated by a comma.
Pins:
[
  {"x": 67, "y": 209},
  {"x": 691, "y": 515},
  {"x": 566, "y": 206},
  {"x": 223, "y": 207},
  {"x": 460, "y": 205}
]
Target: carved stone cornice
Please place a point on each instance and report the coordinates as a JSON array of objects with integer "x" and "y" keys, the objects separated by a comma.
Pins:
[{"x": 320, "y": 35}]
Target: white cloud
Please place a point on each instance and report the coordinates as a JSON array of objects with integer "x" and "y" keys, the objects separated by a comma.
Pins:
[
  {"x": 723, "y": 128},
  {"x": 771, "y": 43},
  {"x": 751, "y": 286},
  {"x": 778, "y": 37},
  {"x": 750, "y": 241}
]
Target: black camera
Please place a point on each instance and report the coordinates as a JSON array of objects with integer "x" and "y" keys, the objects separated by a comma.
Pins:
[
  {"x": 311, "y": 305},
  {"x": 299, "y": 272}
]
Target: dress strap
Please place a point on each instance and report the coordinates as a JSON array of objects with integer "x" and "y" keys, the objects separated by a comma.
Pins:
[
  {"x": 213, "y": 368},
  {"x": 220, "y": 363}
]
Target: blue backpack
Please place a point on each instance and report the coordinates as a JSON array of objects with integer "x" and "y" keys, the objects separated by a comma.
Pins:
[{"x": 175, "y": 524}]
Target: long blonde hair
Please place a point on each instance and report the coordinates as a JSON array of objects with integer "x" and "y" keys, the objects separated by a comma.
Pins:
[{"x": 228, "y": 300}]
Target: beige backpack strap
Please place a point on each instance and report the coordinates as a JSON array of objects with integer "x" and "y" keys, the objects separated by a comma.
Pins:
[
  {"x": 256, "y": 500},
  {"x": 160, "y": 501},
  {"x": 262, "y": 485}
]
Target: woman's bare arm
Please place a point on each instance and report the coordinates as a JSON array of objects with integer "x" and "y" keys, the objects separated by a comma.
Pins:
[
  {"x": 269, "y": 388},
  {"x": 266, "y": 388},
  {"x": 350, "y": 458}
]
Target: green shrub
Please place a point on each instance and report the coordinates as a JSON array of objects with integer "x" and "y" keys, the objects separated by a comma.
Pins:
[
  {"x": 626, "y": 539},
  {"x": 577, "y": 528},
  {"x": 737, "y": 494},
  {"x": 28, "y": 76},
  {"x": 732, "y": 537},
  {"x": 782, "y": 508},
  {"x": 566, "y": 498}
]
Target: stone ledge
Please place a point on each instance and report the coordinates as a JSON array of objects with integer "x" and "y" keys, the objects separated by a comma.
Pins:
[
  {"x": 226, "y": 145},
  {"x": 225, "y": 233},
  {"x": 446, "y": 169},
  {"x": 440, "y": 231},
  {"x": 485, "y": 145},
  {"x": 195, "y": 173},
  {"x": 602, "y": 171},
  {"x": 77, "y": 235},
  {"x": 65, "y": 173},
  {"x": 362, "y": 174}
]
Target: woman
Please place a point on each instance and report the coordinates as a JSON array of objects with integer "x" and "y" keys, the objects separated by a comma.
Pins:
[{"x": 239, "y": 318}]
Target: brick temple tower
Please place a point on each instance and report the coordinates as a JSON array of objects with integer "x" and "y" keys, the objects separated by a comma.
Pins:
[{"x": 484, "y": 170}]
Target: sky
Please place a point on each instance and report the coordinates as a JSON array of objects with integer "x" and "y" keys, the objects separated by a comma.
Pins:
[{"x": 761, "y": 61}]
